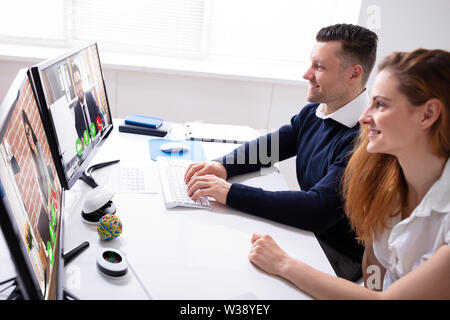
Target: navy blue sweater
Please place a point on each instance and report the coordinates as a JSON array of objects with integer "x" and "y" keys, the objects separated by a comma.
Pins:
[{"x": 322, "y": 148}]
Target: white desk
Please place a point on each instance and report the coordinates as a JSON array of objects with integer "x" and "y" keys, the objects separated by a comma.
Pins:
[{"x": 180, "y": 253}]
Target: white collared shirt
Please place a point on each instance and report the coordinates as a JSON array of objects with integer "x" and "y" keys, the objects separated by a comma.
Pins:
[
  {"x": 349, "y": 114},
  {"x": 408, "y": 243}
]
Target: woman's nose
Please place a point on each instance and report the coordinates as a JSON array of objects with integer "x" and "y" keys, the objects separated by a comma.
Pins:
[{"x": 366, "y": 117}]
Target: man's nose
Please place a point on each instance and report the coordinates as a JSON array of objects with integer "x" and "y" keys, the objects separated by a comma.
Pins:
[{"x": 308, "y": 75}]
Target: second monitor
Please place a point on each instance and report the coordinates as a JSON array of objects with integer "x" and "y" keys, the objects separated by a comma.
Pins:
[{"x": 72, "y": 97}]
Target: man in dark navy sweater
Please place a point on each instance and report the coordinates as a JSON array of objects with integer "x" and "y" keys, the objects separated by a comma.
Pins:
[{"x": 321, "y": 137}]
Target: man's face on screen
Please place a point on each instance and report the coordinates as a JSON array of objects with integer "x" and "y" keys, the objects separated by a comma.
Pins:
[{"x": 78, "y": 85}]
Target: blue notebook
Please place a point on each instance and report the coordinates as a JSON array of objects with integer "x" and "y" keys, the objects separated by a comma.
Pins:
[
  {"x": 195, "y": 152},
  {"x": 144, "y": 121}
]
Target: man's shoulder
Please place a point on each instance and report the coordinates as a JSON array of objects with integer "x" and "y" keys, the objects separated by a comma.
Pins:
[
  {"x": 89, "y": 95},
  {"x": 305, "y": 117},
  {"x": 352, "y": 131},
  {"x": 76, "y": 106},
  {"x": 343, "y": 132},
  {"x": 90, "y": 100},
  {"x": 347, "y": 136},
  {"x": 307, "y": 112}
]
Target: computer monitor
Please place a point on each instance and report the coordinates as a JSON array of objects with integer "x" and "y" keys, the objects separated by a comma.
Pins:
[
  {"x": 31, "y": 196},
  {"x": 72, "y": 97}
]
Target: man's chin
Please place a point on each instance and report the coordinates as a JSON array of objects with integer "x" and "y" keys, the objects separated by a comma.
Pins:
[{"x": 314, "y": 99}]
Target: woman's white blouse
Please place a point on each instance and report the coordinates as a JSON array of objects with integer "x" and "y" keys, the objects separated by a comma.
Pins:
[{"x": 407, "y": 244}]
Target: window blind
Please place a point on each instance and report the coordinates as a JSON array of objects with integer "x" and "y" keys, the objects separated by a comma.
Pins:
[{"x": 257, "y": 31}]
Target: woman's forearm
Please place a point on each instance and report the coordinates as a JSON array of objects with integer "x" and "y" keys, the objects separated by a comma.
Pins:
[{"x": 321, "y": 285}]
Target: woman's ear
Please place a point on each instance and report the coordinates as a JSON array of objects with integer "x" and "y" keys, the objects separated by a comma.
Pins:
[{"x": 431, "y": 112}]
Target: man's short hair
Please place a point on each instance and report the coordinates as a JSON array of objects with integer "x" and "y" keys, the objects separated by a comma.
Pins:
[
  {"x": 75, "y": 68},
  {"x": 358, "y": 44}
]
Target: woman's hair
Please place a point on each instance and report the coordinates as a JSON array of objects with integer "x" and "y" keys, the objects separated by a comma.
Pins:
[
  {"x": 374, "y": 187},
  {"x": 26, "y": 122}
]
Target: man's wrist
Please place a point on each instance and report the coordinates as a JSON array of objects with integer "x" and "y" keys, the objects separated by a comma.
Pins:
[{"x": 222, "y": 167}]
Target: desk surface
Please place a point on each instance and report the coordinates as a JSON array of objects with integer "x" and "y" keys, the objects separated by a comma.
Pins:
[{"x": 180, "y": 253}]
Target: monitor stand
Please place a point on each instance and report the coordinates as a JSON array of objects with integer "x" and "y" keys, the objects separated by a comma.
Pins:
[
  {"x": 86, "y": 176},
  {"x": 15, "y": 294}
]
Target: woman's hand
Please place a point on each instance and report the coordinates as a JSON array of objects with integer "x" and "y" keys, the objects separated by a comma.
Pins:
[{"x": 267, "y": 255}]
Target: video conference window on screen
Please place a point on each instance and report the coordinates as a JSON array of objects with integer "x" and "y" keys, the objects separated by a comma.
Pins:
[
  {"x": 30, "y": 182},
  {"x": 75, "y": 95}
]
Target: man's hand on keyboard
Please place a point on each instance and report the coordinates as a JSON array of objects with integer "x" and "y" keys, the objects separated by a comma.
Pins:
[
  {"x": 208, "y": 185},
  {"x": 204, "y": 168}
]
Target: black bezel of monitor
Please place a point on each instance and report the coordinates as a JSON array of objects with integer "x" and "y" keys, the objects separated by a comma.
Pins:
[
  {"x": 26, "y": 279},
  {"x": 36, "y": 76},
  {"x": 27, "y": 283}
]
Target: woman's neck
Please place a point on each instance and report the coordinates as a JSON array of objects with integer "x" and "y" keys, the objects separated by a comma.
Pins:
[{"x": 421, "y": 171}]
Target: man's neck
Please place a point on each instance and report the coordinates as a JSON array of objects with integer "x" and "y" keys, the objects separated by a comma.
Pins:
[{"x": 333, "y": 106}]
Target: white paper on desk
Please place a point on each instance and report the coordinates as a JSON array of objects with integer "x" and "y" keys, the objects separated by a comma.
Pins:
[
  {"x": 133, "y": 179},
  {"x": 219, "y": 132}
]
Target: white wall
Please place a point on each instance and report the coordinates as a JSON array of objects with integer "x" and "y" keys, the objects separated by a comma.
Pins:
[
  {"x": 181, "y": 98},
  {"x": 405, "y": 25}
]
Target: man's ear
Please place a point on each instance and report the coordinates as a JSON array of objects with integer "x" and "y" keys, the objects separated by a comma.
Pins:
[
  {"x": 356, "y": 72},
  {"x": 431, "y": 112}
]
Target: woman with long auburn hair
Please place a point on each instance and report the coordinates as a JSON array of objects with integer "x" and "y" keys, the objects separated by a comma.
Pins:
[{"x": 396, "y": 188}]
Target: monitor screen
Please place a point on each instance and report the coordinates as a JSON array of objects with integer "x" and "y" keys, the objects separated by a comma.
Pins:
[
  {"x": 72, "y": 95},
  {"x": 30, "y": 191}
]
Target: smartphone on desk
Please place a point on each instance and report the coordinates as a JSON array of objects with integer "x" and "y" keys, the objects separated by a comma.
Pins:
[{"x": 144, "y": 121}]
